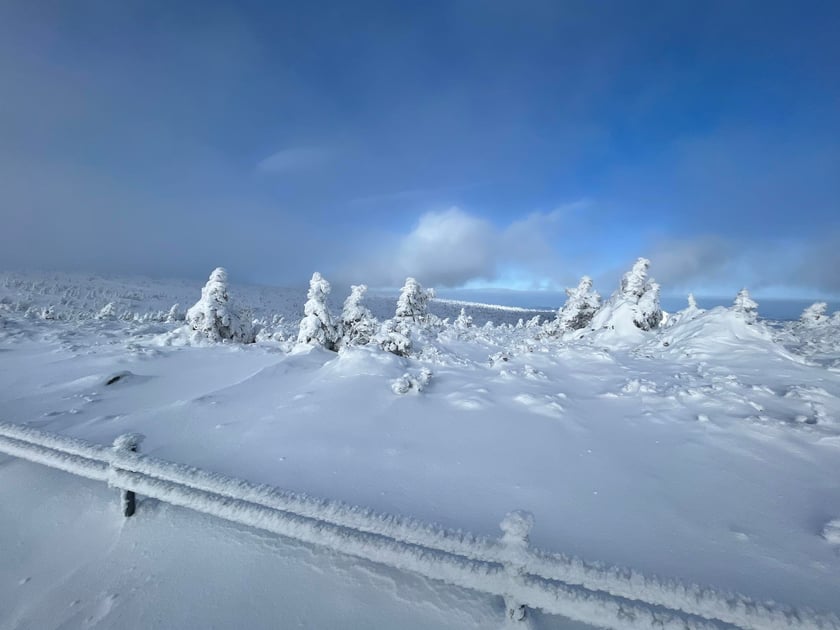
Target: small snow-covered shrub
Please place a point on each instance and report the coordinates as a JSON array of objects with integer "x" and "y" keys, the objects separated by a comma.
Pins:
[
  {"x": 413, "y": 303},
  {"x": 582, "y": 302},
  {"x": 745, "y": 306},
  {"x": 214, "y": 317},
  {"x": 408, "y": 383},
  {"x": 463, "y": 321},
  {"x": 815, "y": 314},
  {"x": 109, "y": 311},
  {"x": 358, "y": 325},
  {"x": 395, "y": 337},
  {"x": 317, "y": 326},
  {"x": 636, "y": 300},
  {"x": 175, "y": 314}
]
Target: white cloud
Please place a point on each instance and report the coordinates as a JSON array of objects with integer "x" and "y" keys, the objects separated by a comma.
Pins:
[
  {"x": 451, "y": 248},
  {"x": 293, "y": 159}
]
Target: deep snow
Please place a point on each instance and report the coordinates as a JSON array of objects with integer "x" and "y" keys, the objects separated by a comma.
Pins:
[{"x": 706, "y": 451}]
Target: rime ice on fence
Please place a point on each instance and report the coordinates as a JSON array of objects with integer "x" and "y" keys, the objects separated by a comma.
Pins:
[{"x": 508, "y": 567}]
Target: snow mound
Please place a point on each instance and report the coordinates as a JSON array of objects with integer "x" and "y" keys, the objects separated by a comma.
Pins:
[{"x": 719, "y": 331}]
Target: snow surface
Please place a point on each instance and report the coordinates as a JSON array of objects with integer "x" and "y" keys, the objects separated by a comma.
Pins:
[{"x": 706, "y": 451}]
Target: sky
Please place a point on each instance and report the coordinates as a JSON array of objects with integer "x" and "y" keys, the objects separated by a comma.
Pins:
[{"x": 469, "y": 143}]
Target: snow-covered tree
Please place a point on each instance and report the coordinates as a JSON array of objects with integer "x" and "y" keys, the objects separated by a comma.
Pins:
[
  {"x": 413, "y": 302},
  {"x": 692, "y": 303},
  {"x": 634, "y": 283},
  {"x": 582, "y": 303},
  {"x": 636, "y": 302},
  {"x": 214, "y": 316},
  {"x": 745, "y": 306},
  {"x": 815, "y": 314},
  {"x": 358, "y": 325},
  {"x": 317, "y": 326},
  {"x": 463, "y": 320},
  {"x": 109, "y": 311},
  {"x": 650, "y": 313},
  {"x": 175, "y": 314},
  {"x": 394, "y": 336}
]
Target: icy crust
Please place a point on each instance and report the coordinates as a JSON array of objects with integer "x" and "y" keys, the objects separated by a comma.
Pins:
[{"x": 588, "y": 592}]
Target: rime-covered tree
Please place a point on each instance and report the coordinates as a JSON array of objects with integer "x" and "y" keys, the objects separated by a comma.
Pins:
[
  {"x": 109, "y": 311},
  {"x": 394, "y": 336},
  {"x": 636, "y": 301},
  {"x": 317, "y": 326},
  {"x": 174, "y": 314},
  {"x": 358, "y": 325},
  {"x": 463, "y": 320},
  {"x": 413, "y": 303},
  {"x": 213, "y": 315},
  {"x": 582, "y": 303},
  {"x": 634, "y": 283},
  {"x": 745, "y": 306},
  {"x": 815, "y": 314}
]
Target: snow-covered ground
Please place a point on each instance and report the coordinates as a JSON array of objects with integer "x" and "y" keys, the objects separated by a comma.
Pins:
[{"x": 707, "y": 450}]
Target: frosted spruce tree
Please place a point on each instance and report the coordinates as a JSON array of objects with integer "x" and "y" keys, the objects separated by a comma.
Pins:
[
  {"x": 109, "y": 311},
  {"x": 358, "y": 325},
  {"x": 744, "y": 305},
  {"x": 815, "y": 314},
  {"x": 213, "y": 315},
  {"x": 636, "y": 302},
  {"x": 317, "y": 326},
  {"x": 413, "y": 303},
  {"x": 582, "y": 303},
  {"x": 394, "y": 336},
  {"x": 463, "y": 321}
]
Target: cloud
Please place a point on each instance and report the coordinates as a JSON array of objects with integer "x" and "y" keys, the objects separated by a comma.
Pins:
[
  {"x": 818, "y": 265},
  {"x": 681, "y": 263},
  {"x": 453, "y": 247},
  {"x": 294, "y": 159}
]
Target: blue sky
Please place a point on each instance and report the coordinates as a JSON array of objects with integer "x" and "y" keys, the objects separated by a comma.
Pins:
[{"x": 474, "y": 143}]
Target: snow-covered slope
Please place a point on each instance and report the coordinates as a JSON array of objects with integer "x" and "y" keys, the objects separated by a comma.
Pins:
[{"x": 707, "y": 450}]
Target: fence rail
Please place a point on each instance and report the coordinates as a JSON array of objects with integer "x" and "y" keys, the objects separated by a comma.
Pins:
[{"x": 508, "y": 567}]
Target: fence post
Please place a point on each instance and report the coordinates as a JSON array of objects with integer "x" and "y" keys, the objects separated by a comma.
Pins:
[
  {"x": 515, "y": 526},
  {"x": 127, "y": 443}
]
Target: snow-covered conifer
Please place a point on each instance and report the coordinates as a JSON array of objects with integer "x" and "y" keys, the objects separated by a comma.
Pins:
[
  {"x": 463, "y": 320},
  {"x": 214, "y": 317},
  {"x": 109, "y": 311},
  {"x": 358, "y": 325},
  {"x": 175, "y": 314},
  {"x": 634, "y": 282},
  {"x": 650, "y": 313},
  {"x": 317, "y": 326},
  {"x": 636, "y": 302},
  {"x": 581, "y": 305},
  {"x": 394, "y": 336},
  {"x": 692, "y": 303},
  {"x": 815, "y": 314},
  {"x": 746, "y": 306},
  {"x": 412, "y": 304}
]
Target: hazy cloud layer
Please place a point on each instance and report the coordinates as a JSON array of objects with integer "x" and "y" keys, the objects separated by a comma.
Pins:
[{"x": 279, "y": 139}]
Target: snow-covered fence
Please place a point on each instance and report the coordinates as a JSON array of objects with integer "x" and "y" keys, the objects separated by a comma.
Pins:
[{"x": 507, "y": 567}]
